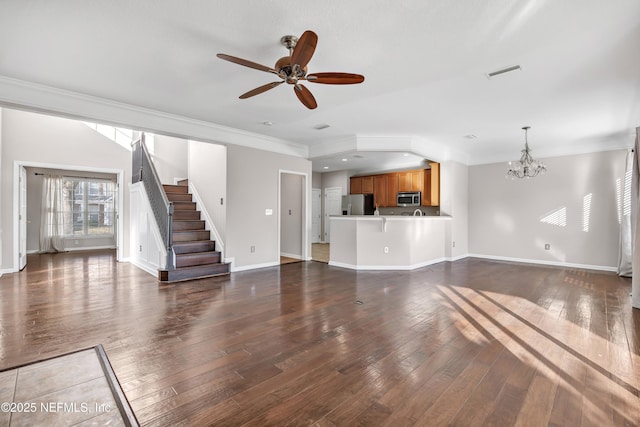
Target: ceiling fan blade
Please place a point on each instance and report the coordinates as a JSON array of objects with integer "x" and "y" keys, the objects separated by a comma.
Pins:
[
  {"x": 305, "y": 96},
  {"x": 304, "y": 49},
  {"x": 335, "y": 78},
  {"x": 246, "y": 63},
  {"x": 260, "y": 89}
]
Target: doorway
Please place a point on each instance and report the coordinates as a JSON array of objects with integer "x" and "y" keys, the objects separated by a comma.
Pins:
[
  {"x": 293, "y": 217},
  {"x": 332, "y": 206},
  {"x": 22, "y": 193}
]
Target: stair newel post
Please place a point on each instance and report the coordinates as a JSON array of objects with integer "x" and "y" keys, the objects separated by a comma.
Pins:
[{"x": 170, "y": 254}]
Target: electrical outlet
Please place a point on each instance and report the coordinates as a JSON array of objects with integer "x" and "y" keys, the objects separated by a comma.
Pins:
[
  {"x": 386, "y": 249},
  {"x": 547, "y": 246},
  {"x": 140, "y": 248},
  {"x": 453, "y": 244},
  {"x": 252, "y": 249}
]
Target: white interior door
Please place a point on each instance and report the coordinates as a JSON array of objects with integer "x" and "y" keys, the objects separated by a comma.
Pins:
[
  {"x": 316, "y": 215},
  {"x": 332, "y": 206},
  {"x": 23, "y": 218}
]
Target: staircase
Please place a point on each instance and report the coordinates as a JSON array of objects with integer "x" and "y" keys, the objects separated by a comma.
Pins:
[{"x": 196, "y": 255}]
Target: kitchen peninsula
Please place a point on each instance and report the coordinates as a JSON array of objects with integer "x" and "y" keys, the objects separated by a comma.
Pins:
[{"x": 387, "y": 242}]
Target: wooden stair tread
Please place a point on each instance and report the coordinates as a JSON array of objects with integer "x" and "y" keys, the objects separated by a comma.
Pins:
[{"x": 195, "y": 253}]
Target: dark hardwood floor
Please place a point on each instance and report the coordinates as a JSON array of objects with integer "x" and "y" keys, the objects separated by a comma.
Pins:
[{"x": 468, "y": 343}]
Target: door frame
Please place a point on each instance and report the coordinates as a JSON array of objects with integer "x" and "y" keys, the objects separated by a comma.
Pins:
[
  {"x": 320, "y": 225},
  {"x": 306, "y": 215},
  {"x": 22, "y": 218},
  {"x": 325, "y": 216},
  {"x": 16, "y": 202}
]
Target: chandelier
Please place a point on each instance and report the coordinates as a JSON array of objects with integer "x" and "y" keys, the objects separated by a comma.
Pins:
[{"x": 526, "y": 167}]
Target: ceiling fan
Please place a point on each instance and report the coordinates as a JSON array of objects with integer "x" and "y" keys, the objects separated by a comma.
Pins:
[{"x": 292, "y": 69}]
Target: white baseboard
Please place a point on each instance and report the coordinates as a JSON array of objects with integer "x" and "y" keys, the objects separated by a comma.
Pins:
[
  {"x": 387, "y": 267},
  {"x": 545, "y": 262},
  {"x": 294, "y": 256},
  {"x": 149, "y": 268},
  {"x": 253, "y": 266}
]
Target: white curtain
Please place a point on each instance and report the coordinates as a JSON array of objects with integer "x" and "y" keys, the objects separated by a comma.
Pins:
[
  {"x": 52, "y": 224},
  {"x": 635, "y": 280},
  {"x": 627, "y": 217}
]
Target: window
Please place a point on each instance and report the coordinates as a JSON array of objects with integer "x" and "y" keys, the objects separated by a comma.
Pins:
[{"x": 88, "y": 207}]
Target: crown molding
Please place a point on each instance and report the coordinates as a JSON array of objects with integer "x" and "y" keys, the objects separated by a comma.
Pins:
[
  {"x": 333, "y": 146},
  {"x": 24, "y": 95}
]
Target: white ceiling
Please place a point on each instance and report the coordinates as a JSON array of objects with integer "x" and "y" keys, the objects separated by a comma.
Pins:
[{"x": 425, "y": 64}]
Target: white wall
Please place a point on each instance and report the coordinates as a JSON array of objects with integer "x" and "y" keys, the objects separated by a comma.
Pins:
[
  {"x": 208, "y": 175},
  {"x": 1, "y": 191},
  {"x": 170, "y": 158},
  {"x": 147, "y": 248},
  {"x": 454, "y": 201},
  {"x": 36, "y": 138},
  {"x": 252, "y": 187},
  {"x": 515, "y": 219},
  {"x": 291, "y": 215}
]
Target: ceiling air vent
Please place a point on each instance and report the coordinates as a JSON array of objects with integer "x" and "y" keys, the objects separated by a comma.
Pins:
[
  {"x": 321, "y": 126},
  {"x": 504, "y": 71}
]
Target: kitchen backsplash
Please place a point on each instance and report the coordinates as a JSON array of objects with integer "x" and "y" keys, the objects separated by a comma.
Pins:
[{"x": 427, "y": 210}]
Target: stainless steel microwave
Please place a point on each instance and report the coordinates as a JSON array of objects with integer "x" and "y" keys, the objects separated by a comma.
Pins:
[{"x": 409, "y": 198}]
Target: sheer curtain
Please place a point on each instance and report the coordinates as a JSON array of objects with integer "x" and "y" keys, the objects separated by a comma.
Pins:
[
  {"x": 635, "y": 280},
  {"x": 52, "y": 224}
]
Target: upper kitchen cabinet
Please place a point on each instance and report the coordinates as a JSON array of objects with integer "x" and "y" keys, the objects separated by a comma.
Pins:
[
  {"x": 431, "y": 192},
  {"x": 385, "y": 187},
  {"x": 392, "y": 189},
  {"x": 380, "y": 190},
  {"x": 367, "y": 184},
  {"x": 355, "y": 185},
  {"x": 361, "y": 185},
  {"x": 411, "y": 180}
]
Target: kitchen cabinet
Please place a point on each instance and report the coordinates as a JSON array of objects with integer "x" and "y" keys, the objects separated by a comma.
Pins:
[
  {"x": 355, "y": 185},
  {"x": 367, "y": 184},
  {"x": 385, "y": 187},
  {"x": 392, "y": 189},
  {"x": 380, "y": 190},
  {"x": 431, "y": 193},
  {"x": 411, "y": 180}
]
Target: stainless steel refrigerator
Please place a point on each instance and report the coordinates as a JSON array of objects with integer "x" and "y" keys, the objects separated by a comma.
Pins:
[{"x": 357, "y": 204}]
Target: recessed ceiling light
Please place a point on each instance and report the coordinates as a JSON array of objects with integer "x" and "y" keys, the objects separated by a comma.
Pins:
[
  {"x": 326, "y": 167},
  {"x": 405, "y": 154},
  {"x": 267, "y": 123},
  {"x": 321, "y": 126},
  {"x": 344, "y": 160}
]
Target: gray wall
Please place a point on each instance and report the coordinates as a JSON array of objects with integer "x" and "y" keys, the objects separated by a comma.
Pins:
[
  {"x": 515, "y": 219},
  {"x": 208, "y": 174},
  {"x": 291, "y": 215},
  {"x": 252, "y": 187},
  {"x": 336, "y": 179},
  {"x": 316, "y": 180},
  {"x": 170, "y": 158},
  {"x": 37, "y": 138}
]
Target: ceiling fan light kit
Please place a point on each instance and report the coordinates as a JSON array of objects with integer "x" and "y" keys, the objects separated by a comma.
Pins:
[
  {"x": 527, "y": 167},
  {"x": 292, "y": 69}
]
